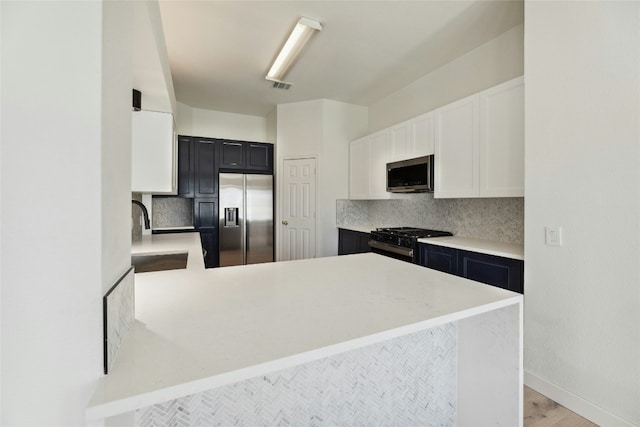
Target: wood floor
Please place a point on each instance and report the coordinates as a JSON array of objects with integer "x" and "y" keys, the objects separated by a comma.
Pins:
[{"x": 540, "y": 411}]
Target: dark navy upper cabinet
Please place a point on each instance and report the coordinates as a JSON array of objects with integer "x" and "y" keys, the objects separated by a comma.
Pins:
[
  {"x": 206, "y": 171},
  {"x": 258, "y": 157},
  {"x": 232, "y": 155},
  {"x": 186, "y": 166},
  {"x": 246, "y": 156},
  {"x": 352, "y": 242},
  {"x": 506, "y": 273},
  {"x": 439, "y": 258},
  {"x": 502, "y": 272}
]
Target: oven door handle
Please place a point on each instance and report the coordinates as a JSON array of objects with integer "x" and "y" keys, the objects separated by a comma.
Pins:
[{"x": 391, "y": 248}]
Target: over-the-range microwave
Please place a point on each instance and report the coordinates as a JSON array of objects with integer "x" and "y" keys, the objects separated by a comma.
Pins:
[{"x": 411, "y": 176}]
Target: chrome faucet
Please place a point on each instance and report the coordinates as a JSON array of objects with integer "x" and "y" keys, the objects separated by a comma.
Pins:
[{"x": 145, "y": 213}]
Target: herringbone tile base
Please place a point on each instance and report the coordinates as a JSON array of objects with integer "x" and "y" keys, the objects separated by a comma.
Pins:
[{"x": 407, "y": 381}]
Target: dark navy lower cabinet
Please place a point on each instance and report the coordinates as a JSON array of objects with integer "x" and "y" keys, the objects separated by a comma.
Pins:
[
  {"x": 352, "y": 242},
  {"x": 205, "y": 216},
  {"x": 439, "y": 258},
  {"x": 506, "y": 273},
  {"x": 209, "y": 241}
]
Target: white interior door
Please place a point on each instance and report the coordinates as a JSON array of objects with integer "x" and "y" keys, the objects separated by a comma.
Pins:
[{"x": 298, "y": 225}]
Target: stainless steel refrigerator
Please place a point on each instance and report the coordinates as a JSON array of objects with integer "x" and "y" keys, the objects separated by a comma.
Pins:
[{"x": 246, "y": 219}]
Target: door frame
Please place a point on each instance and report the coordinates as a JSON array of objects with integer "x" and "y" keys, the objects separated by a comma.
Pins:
[{"x": 280, "y": 207}]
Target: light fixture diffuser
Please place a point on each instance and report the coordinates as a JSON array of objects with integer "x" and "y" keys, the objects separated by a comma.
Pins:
[{"x": 302, "y": 32}]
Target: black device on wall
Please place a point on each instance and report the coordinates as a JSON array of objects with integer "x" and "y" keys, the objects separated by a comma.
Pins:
[{"x": 137, "y": 100}]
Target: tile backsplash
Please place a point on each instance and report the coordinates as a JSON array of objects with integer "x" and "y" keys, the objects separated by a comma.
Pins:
[
  {"x": 172, "y": 212},
  {"x": 119, "y": 315},
  {"x": 500, "y": 219},
  {"x": 136, "y": 214}
]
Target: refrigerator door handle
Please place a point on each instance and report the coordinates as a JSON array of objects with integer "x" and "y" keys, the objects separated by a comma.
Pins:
[{"x": 245, "y": 220}]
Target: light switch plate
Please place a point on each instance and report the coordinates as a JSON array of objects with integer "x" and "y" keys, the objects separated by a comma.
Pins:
[{"x": 553, "y": 236}]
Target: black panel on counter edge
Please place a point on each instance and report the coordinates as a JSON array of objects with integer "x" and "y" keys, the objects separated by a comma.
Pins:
[{"x": 173, "y": 231}]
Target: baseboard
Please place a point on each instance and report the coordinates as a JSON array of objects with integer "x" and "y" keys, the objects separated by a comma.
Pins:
[{"x": 574, "y": 403}]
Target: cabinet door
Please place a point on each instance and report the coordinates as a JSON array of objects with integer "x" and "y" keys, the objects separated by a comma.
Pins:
[
  {"x": 153, "y": 153},
  {"x": 456, "y": 149},
  {"x": 378, "y": 158},
  {"x": 401, "y": 145},
  {"x": 493, "y": 270},
  {"x": 439, "y": 258},
  {"x": 363, "y": 242},
  {"x": 209, "y": 243},
  {"x": 359, "y": 169},
  {"x": 502, "y": 140},
  {"x": 258, "y": 157},
  {"x": 186, "y": 166},
  {"x": 422, "y": 135},
  {"x": 205, "y": 214},
  {"x": 232, "y": 155},
  {"x": 352, "y": 242},
  {"x": 206, "y": 172},
  {"x": 346, "y": 242}
]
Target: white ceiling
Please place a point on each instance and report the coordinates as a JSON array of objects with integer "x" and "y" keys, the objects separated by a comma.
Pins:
[{"x": 220, "y": 51}]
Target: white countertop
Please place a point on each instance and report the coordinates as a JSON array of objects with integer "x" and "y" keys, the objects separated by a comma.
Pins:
[
  {"x": 363, "y": 228},
  {"x": 490, "y": 247},
  {"x": 199, "y": 329},
  {"x": 171, "y": 243}
]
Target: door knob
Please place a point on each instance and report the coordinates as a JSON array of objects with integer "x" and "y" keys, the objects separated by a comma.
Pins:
[{"x": 285, "y": 222}]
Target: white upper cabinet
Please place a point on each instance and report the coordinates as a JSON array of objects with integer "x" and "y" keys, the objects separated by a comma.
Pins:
[
  {"x": 359, "y": 169},
  {"x": 422, "y": 134},
  {"x": 411, "y": 139},
  {"x": 479, "y": 144},
  {"x": 502, "y": 140},
  {"x": 153, "y": 153},
  {"x": 400, "y": 142},
  {"x": 379, "y": 149},
  {"x": 456, "y": 149},
  {"x": 368, "y": 158}
]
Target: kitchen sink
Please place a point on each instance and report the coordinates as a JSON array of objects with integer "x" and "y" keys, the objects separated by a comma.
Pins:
[{"x": 159, "y": 262}]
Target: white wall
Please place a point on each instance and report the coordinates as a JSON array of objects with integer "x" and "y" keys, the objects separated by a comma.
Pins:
[
  {"x": 342, "y": 123},
  {"x": 582, "y": 163},
  {"x": 219, "y": 124},
  {"x": 494, "y": 62},
  {"x": 272, "y": 126},
  {"x": 116, "y": 141},
  {"x": 320, "y": 128},
  {"x": 152, "y": 74},
  {"x": 55, "y": 262},
  {"x": 1, "y": 32}
]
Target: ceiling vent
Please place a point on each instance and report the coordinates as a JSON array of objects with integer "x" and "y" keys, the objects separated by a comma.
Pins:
[{"x": 281, "y": 85}]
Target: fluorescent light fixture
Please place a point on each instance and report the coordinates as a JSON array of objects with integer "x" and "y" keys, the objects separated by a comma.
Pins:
[{"x": 302, "y": 32}]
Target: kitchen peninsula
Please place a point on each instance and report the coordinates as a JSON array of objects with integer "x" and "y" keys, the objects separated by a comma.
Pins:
[{"x": 357, "y": 339}]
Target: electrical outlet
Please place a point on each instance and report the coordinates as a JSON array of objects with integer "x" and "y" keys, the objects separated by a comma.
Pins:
[{"x": 553, "y": 236}]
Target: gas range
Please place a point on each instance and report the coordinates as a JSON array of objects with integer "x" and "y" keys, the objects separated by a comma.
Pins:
[{"x": 401, "y": 242}]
